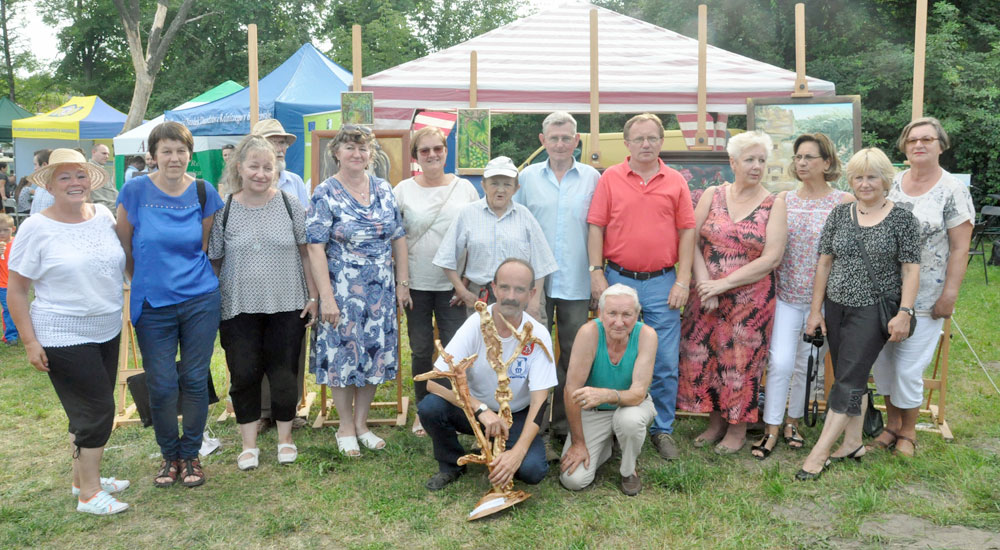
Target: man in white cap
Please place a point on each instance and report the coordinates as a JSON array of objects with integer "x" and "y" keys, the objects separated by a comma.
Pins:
[
  {"x": 490, "y": 231},
  {"x": 288, "y": 182}
]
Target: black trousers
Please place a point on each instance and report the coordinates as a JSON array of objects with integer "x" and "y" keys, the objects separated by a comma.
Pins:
[
  {"x": 855, "y": 336},
  {"x": 84, "y": 379},
  {"x": 259, "y": 343},
  {"x": 428, "y": 304}
]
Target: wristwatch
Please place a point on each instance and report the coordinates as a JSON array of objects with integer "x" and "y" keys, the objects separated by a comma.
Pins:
[
  {"x": 480, "y": 410},
  {"x": 906, "y": 310},
  {"x": 595, "y": 268},
  {"x": 404, "y": 283}
]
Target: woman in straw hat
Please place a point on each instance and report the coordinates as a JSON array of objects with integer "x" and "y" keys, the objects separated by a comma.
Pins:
[{"x": 71, "y": 255}]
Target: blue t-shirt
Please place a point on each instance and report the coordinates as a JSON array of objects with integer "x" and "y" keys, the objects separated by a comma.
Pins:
[{"x": 169, "y": 264}]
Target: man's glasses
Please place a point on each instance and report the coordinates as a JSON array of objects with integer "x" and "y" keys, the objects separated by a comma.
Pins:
[
  {"x": 424, "y": 151},
  {"x": 652, "y": 140}
]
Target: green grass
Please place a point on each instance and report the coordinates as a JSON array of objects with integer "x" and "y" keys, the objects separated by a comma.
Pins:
[{"x": 379, "y": 502}]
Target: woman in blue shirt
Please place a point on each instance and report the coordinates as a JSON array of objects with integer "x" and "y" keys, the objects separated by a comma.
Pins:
[{"x": 164, "y": 222}]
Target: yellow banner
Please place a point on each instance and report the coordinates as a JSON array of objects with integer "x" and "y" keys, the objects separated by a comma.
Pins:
[{"x": 62, "y": 122}]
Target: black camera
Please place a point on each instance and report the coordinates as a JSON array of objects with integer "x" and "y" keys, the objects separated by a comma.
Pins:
[{"x": 816, "y": 338}]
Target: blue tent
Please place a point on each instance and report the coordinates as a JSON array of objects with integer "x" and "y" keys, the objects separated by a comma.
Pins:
[{"x": 307, "y": 82}]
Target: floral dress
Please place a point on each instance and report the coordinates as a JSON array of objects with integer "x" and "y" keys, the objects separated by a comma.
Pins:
[
  {"x": 723, "y": 352},
  {"x": 361, "y": 349}
]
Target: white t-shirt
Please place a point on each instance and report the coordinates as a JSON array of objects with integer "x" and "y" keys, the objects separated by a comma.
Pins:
[
  {"x": 946, "y": 205},
  {"x": 427, "y": 214},
  {"x": 531, "y": 371},
  {"x": 77, "y": 270}
]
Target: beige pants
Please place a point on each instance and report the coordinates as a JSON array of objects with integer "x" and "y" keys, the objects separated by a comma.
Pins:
[
  {"x": 475, "y": 288},
  {"x": 628, "y": 424}
]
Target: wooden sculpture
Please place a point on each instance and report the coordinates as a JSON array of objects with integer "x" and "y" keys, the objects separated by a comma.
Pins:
[{"x": 499, "y": 497}]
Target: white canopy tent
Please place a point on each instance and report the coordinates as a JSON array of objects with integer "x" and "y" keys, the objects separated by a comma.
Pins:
[{"x": 541, "y": 63}]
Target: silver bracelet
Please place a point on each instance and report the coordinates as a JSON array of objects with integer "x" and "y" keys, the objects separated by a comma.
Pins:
[
  {"x": 312, "y": 300},
  {"x": 680, "y": 285},
  {"x": 618, "y": 398}
]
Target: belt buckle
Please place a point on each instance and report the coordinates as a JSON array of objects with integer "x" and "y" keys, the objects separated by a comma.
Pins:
[{"x": 642, "y": 275}]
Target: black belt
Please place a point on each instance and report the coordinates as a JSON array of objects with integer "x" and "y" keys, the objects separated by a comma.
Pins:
[{"x": 639, "y": 275}]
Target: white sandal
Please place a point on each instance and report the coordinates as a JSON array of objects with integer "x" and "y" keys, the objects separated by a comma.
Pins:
[
  {"x": 287, "y": 458},
  {"x": 372, "y": 441},
  {"x": 348, "y": 446},
  {"x": 248, "y": 463}
]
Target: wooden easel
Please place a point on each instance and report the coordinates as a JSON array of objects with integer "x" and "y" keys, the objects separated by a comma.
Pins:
[{"x": 124, "y": 416}]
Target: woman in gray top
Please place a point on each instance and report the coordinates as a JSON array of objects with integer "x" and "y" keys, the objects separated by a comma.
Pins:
[
  {"x": 889, "y": 235},
  {"x": 258, "y": 245}
]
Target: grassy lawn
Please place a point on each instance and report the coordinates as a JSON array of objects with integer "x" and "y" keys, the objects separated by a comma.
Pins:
[{"x": 948, "y": 497}]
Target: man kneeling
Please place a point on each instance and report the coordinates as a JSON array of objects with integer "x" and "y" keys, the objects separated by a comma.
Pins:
[
  {"x": 531, "y": 375},
  {"x": 606, "y": 391}
]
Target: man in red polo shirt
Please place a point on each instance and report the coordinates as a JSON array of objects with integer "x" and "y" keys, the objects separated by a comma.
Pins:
[{"x": 641, "y": 222}]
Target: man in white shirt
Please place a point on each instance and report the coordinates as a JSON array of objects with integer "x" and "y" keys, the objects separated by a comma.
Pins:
[{"x": 531, "y": 375}]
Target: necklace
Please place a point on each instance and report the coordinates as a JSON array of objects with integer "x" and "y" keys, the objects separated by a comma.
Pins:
[
  {"x": 870, "y": 211},
  {"x": 360, "y": 194}
]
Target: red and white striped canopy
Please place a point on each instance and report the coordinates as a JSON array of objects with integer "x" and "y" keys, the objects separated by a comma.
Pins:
[{"x": 541, "y": 63}]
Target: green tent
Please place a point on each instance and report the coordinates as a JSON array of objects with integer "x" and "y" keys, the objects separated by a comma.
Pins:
[{"x": 9, "y": 111}]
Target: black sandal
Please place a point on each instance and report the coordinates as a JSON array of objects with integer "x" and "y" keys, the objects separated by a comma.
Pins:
[
  {"x": 794, "y": 438},
  {"x": 168, "y": 469},
  {"x": 761, "y": 446},
  {"x": 192, "y": 467}
]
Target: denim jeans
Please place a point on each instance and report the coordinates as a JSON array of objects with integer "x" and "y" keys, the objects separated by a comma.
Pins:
[
  {"x": 192, "y": 324},
  {"x": 9, "y": 330},
  {"x": 653, "y": 295},
  {"x": 441, "y": 420},
  {"x": 428, "y": 303}
]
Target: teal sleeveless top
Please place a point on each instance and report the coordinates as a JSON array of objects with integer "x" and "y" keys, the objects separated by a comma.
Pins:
[{"x": 604, "y": 373}]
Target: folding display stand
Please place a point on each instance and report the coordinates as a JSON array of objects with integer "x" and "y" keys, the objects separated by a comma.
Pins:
[{"x": 126, "y": 415}]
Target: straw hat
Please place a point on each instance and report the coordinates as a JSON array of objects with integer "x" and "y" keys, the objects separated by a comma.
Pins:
[
  {"x": 68, "y": 156},
  {"x": 272, "y": 128}
]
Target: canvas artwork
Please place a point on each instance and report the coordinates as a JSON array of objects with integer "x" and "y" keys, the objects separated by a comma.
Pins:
[
  {"x": 472, "y": 140},
  {"x": 785, "y": 119},
  {"x": 357, "y": 108}
]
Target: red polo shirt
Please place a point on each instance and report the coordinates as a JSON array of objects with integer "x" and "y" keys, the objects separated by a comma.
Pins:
[{"x": 641, "y": 221}]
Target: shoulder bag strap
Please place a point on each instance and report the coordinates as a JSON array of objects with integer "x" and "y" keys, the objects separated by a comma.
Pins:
[
  {"x": 864, "y": 251},
  {"x": 225, "y": 212},
  {"x": 202, "y": 196},
  {"x": 437, "y": 212}
]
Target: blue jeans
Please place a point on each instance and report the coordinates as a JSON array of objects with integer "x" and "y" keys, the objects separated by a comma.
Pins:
[
  {"x": 441, "y": 420},
  {"x": 193, "y": 324},
  {"x": 653, "y": 295},
  {"x": 9, "y": 330}
]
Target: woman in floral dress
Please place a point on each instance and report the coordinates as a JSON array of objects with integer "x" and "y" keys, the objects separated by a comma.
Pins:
[
  {"x": 727, "y": 322},
  {"x": 355, "y": 232}
]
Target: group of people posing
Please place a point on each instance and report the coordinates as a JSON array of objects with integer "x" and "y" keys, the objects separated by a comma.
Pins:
[{"x": 752, "y": 271}]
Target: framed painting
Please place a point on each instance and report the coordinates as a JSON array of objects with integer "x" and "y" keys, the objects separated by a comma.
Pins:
[
  {"x": 701, "y": 169},
  {"x": 786, "y": 118},
  {"x": 472, "y": 141},
  {"x": 391, "y": 160},
  {"x": 357, "y": 108}
]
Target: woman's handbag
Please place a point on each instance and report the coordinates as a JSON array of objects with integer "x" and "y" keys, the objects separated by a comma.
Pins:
[
  {"x": 873, "y": 417},
  {"x": 140, "y": 396},
  {"x": 888, "y": 305}
]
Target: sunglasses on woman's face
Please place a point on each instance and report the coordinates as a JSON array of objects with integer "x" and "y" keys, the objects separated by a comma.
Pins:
[
  {"x": 424, "y": 151},
  {"x": 355, "y": 128}
]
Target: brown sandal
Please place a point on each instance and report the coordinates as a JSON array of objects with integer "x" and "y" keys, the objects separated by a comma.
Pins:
[
  {"x": 909, "y": 440},
  {"x": 881, "y": 445},
  {"x": 192, "y": 468},
  {"x": 168, "y": 470}
]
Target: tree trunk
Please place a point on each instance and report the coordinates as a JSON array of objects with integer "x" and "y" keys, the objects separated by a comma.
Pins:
[
  {"x": 140, "y": 100},
  {"x": 6, "y": 48}
]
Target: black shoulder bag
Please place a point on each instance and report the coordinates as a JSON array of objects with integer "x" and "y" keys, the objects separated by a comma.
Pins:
[{"x": 888, "y": 305}]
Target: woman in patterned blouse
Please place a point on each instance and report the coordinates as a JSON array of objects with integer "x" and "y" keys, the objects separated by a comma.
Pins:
[{"x": 844, "y": 304}]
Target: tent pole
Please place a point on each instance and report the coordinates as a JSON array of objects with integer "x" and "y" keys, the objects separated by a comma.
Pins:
[
  {"x": 595, "y": 110},
  {"x": 252, "y": 60},
  {"x": 701, "y": 136},
  {"x": 801, "y": 85},
  {"x": 919, "y": 53},
  {"x": 473, "y": 78},
  {"x": 356, "y": 57}
]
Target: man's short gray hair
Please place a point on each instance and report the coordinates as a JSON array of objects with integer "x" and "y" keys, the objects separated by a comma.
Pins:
[
  {"x": 740, "y": 142},
  {"x": 619, "y": 289},
  {"x": 558, "y": 118}
]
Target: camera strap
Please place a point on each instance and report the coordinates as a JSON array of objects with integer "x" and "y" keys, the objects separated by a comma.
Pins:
[{"x": 811, "y": 366}]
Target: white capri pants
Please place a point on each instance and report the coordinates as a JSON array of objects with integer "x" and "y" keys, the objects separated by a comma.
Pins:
[
  {"x": 628, "y": 424},
  {"x": 786, "y": 368},
  {"x": 899, "y": 369}
]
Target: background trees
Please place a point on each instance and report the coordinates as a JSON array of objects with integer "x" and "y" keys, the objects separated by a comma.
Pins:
[{"x": 864, "y": 46}]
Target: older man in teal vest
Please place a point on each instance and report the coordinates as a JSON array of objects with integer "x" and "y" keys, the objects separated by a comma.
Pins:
[{"x": 606, "y": 392}]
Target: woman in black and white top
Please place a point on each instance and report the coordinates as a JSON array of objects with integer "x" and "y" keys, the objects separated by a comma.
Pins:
[
  {"x": 258, "y": 247},
  {"x": 843, "y": 286},
  {"x": 71, "y": 254}
]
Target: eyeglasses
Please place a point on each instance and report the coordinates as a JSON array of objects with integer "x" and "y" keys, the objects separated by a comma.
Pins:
[
  {"x": 560, "y": 139},
  {"x": 652, "y": 140},
  {"x": 356, "y": 128},
  {"x": 923, "y": 140},
  {"x": 424, "y": 151},
  {"x": 807, "y": 158}
]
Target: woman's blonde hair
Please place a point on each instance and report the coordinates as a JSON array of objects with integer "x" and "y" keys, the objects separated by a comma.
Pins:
[
  {"x": 231, "y": 180},
  {"x": 871, "y": 160}
]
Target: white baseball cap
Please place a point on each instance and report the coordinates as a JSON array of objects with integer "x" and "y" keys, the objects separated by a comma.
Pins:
[{"x": 500, "y": 166}]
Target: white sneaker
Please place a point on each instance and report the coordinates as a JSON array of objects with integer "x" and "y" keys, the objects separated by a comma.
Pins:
[
  {"x": 101, "y": 504},
  {"x": 108, "y": 484}
]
